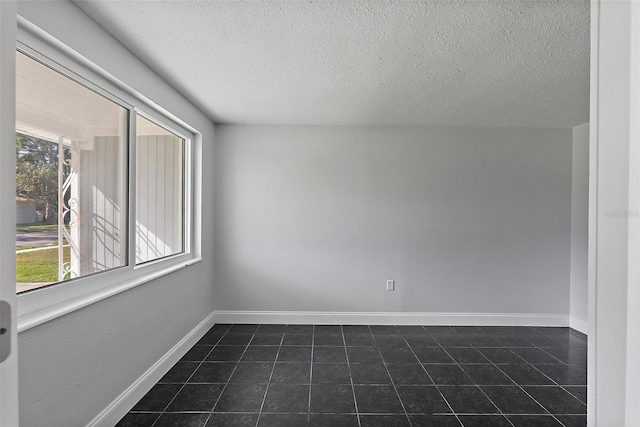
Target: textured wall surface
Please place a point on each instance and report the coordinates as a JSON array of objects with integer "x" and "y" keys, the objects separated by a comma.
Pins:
[
  {"x": 435, "y": 63},
  {"x": 465, "y": 220}
]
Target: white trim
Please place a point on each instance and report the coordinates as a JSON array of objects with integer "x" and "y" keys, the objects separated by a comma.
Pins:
[
  {"x": 34, "y": 318},
  {"x": 391, "y": 318},
  {"x": 128, "y": 398},
  {"x": 579, "y": 325}
]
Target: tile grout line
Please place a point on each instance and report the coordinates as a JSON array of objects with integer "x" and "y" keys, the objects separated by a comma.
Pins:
[
  {"x": 431, "y": 378},
  {"x": 193, "y": 373},
  {"x": 474, "y": 382},
  {"x": 273, "y": 368},
  {"x": 353, "y": 388}
]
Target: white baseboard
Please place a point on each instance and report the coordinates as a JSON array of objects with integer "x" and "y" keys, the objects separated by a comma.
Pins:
[
  {"x": 387, "y": 318},
  {"x": 579, "y": 325},
  {"x": 128, "y": 398}
]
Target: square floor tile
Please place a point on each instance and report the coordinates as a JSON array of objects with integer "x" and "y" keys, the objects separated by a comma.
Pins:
[
  {"x": 443, "y": 374},
  {"x": 369, "y": 373},
  {"x": 261, "y": 353},
  {"x": 213, "y": 372},
  {"x": 243, "y": 328},
  {"x": 467, "y": 400},
  {"x": 412, "y": 329},
  {"x": 377, "y": 399},
  {"x": 501, "y": 355},
  {"x": 332, "y": 398},
  {"x": 408, "y": 374},
  {"x": 569, "y": 354},
  {"x": 283, "y": 420},
  {"x": 439, "y": 330},
  {"x": 328, "y": 340},
  {"x": 512, "y": 400},
  {"x": 329, "y": 354},
  {"x": 291, "y": 373},
  {"x": 266, "y": 339},
  {"x": 564, "y": 374},
  {"x": 422, "y": 400},
  {"x": 299, "y": 328},
  {"x": 579, "y": 392},
  {"x": 418, "y": 341},
  {"x": 486, "y": 375},
  {"x": 573, "y": 420},
  {"x": 390, "y": 340},
  {"x": 181, "y": 420},
  {"x": 432, "y": 355},
  {"x": 384, "y": 421},
  {"x": 226, "y": 353},
  {"x": 157, "y": 398},
  {"x": 296, "y": 338},
  {"x": 241, "y": 398},
  {"x": 287, "y": 398},
  {"x": 535, "y": 356},
  {"x": 197, "y": 353},
  {"x": 271, "y": 329},
  {"x": 356, "y": 329},
  {"x": 484, "y": 421},
  {"x": 327, "y": 329},
  {"x": 359, "y": 340},
  {"x": 384, "y": 329},
  {"x": 294, "y": 354},
  {"x": 255, "y": 372},
  {"x": 434, "y": 421},
  {"x": 397, "y": 355},
  {"x": 196, "y": 397},
  {"x": 364, "y": 355},
  {"x": 333, "y": 420},
  {"x": 481, "y": 341},
  {"x": 467, "y": 355},
  {"x": 180, "y": 372},
  {"x": 556, "y": 400},
  {"x": 221, "y": 419},
  {"x": 330, "y": 373},
  {"x": 447, "y": 341},
  {"x": 525, "y": 375},
  {"x": 139, "y": 419},
  {"x": 235, "y": 339},
  {"x": 534, "y": 421}
]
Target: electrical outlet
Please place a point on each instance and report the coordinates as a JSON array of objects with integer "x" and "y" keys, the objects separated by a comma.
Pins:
[{"x": 391, "y": 285}]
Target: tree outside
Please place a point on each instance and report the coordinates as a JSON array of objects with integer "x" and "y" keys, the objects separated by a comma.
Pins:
[{"x": 37, "y": 173}]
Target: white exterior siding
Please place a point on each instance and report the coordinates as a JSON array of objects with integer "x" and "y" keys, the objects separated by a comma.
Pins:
[{"x": 159, "y": 201}]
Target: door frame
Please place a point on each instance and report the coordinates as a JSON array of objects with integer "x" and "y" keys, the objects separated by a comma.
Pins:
[{"x": 9, "y": 409}]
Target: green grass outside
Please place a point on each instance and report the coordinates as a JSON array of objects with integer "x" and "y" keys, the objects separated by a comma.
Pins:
[
  {"x": 19, "y": 248},
  {"x": 39, "y": 266},
  {"x": 36, "y": 228}
]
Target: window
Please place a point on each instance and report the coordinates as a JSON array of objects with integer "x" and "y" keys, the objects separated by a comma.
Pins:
[
  {"x": 104, "y": 185},
  {"x": 70, "y": 178},
  {"x": 159, "y": 186}
]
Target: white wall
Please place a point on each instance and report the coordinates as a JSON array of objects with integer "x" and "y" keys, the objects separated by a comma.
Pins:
[
  {"x": 579, "y": 288},
  {"x": 73, "y": 367},
  {"x": 465, "y": 220}
]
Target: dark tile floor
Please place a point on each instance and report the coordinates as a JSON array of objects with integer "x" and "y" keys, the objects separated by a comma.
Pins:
[{"x": 304, "y": 375}]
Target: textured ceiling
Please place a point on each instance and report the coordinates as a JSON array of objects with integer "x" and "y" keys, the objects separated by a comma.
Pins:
[{"x": 435, "y": 63}]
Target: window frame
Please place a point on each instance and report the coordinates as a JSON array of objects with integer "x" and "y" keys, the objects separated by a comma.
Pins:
[{"x": 42, "y": 305}]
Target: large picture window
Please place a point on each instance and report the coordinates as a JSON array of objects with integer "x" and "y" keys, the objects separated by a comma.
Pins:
[
  {"x": 104, "y": 198},
  {"x": 71, "y": 146}
]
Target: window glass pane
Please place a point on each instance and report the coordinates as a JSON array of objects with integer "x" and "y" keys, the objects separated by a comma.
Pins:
[
  {"x": 70, "y": 178},
  {"x": 159, "y": 192}
]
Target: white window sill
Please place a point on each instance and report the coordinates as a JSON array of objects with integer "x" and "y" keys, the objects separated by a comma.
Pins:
[{"x": 43, "y": 305}]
